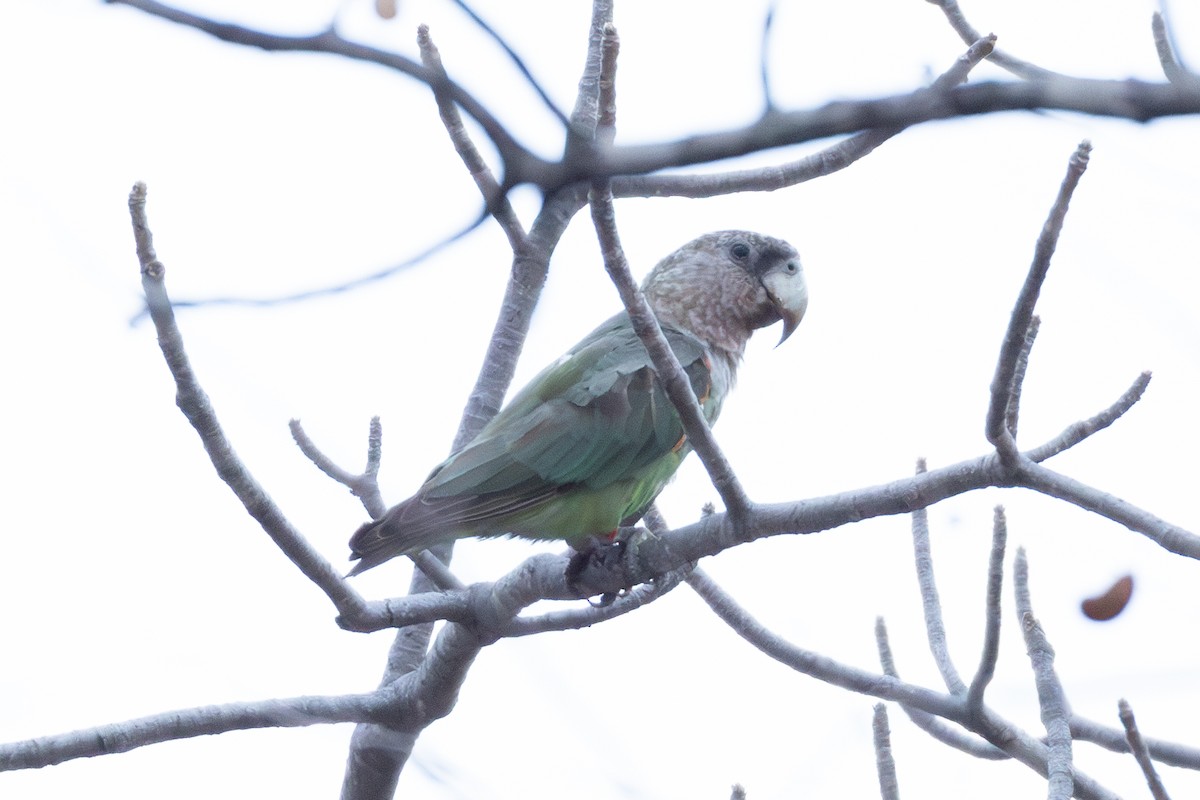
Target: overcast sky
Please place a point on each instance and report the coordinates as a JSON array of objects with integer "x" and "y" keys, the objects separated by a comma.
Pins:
[{"x": 135, "y": 583}]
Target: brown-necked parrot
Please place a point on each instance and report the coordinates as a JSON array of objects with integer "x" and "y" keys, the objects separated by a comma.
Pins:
[{"x": 593, "y": 439}]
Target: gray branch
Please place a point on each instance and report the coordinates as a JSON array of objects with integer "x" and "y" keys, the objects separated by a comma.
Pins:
[
  {"x": 1056, "y": 714},
  {"x": 935, "y": 628}
]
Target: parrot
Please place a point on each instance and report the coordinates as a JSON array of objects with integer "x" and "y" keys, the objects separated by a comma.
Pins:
[{"x": 590, "y": 442}]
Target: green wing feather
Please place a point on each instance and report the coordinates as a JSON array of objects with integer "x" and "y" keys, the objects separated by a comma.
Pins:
[{"x": 588, "y": 442}]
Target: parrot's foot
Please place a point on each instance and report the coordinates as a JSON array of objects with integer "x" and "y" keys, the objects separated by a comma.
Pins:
[
  {"x": 596, "y": 554},
  {"x": 600, "y": 559}
]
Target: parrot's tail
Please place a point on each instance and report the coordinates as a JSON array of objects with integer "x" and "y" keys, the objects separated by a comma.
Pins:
[
  {"x": 408, "y": 528},
  {"x": 367, "y": 546}
]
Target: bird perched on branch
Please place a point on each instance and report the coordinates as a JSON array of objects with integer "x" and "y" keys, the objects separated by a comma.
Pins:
[{"x": 593, "y": 439}]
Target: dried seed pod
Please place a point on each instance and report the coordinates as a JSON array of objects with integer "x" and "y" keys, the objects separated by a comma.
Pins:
[{"x": 1112, "y": 602}]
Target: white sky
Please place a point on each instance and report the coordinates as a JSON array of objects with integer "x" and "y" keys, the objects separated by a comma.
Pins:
[{"x": 134, "y": 582}]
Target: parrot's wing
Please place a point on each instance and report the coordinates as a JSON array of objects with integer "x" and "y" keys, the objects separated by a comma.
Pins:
[{"x": 596, "y": 416}]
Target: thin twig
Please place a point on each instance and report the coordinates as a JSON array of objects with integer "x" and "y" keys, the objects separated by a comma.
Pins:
[
  {"x": 934, "y": 726},
  {"x": 968, "y": 33},
  {"x": 1004, "y": 392},
  {"x": 497, "y": 203},
  {"x": 1054, "y": 484},
  {"x": 1136, "y": 746},
  {"x": 991, "y": 625},
  {"x": 645, "y": 324},
  {"x": 1167, "y": 56},
  {"x": 329, "y": 41},
  {"x": 1013, "y": 413},
  {"x": 1005, "y": 735},
  {"x": 674, "y": 381},
  {"x": 1056, "y": 716},
  {"x": 575, "y": 618},
  {"x": 326, "y": 291},
  {"x": 582, "y": 132},
  {"x": 836, "y": 157},
  {"x": 813, "y": 664},
  {"x": 412, "y": 609},
  {"x": 195, "y": 405},
  {"x": 935, "y": 629},
  {"x": 364, "y": 486},
  {"x": 517, "y": 61},
  {"x": 885, "y": 763},
  {"x": 1171, "y": 753},
  {"x": 436, "y": 570},
  {"x": 764, "y": 53},
  {"x": 121, "y": 737},
  {"x": 1077, "y": 432},
  {"x": 606, "y": 106},
  {"x": 319, "y": 459},
  {"x": 1128, "y": 99}
]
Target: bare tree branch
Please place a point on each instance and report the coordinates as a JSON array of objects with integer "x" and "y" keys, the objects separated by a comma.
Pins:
[
  {"x": 1012, "y": 414},
  {"x": 1129, "y": 99},
  {"x": 1170, "y": 753},
  {"x": 195, "y": 405},
  {"x": 885, "y": 764},
  {"x": 711, "y": 535},
  {"x": 325, "y": 291},
  {"x": 935, "y": 629},
  {"x": 573, "y": 619},
  {"x": 1055, "y": 713},
  {"x": 1140, "y": 752},
  {"x": 121, "y": 737},
  {"x": 996, "y": 730},
  {"x": 494, "y": 198},
  {"x": 763, "y": 179},
  {"x": 330, "y": 42},
  {"x": 1005, "y": 390},
  {"x": 1172, "y": 68},
  {"x": 813, "y": 664},
  {"x": 836, "y": 157},
  {"x": 1078, "y": 431},
  {"x": 453, "y": 605},
  {"x": 364, "y": 486},
  {"x": 516, "y": 59},
  {"x": 991, "y": 625},
  {"x": 764, "y": 52},
  {"x": 935, "y": 727},
  {"x": 968, "y": 33},
  {"x": 422, "y": 680},
  {"x": 377, "y": 753},
  {"x": 675, "y": 382},
  {"x": 487, "y": 610},
  {"x": 585, "y": 161},
  {"x": 1054, "y": 484}
]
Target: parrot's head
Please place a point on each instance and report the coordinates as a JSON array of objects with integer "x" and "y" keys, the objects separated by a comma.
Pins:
[{"x": 723, "y": 286}]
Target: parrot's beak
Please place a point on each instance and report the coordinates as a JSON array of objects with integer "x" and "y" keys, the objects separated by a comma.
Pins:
[{"x": 789, "y": 294}]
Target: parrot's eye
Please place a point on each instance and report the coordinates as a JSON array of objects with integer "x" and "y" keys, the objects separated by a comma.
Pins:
[
  {"x": 791, "y": 268},
  {"x": 740, "y": 250}
]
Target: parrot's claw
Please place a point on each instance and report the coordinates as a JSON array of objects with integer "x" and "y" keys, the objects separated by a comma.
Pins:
[
  {"x": 599, "y": 558},
  {"x": 605, "y": 600},
  {"x": 594, "y": 555}
]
